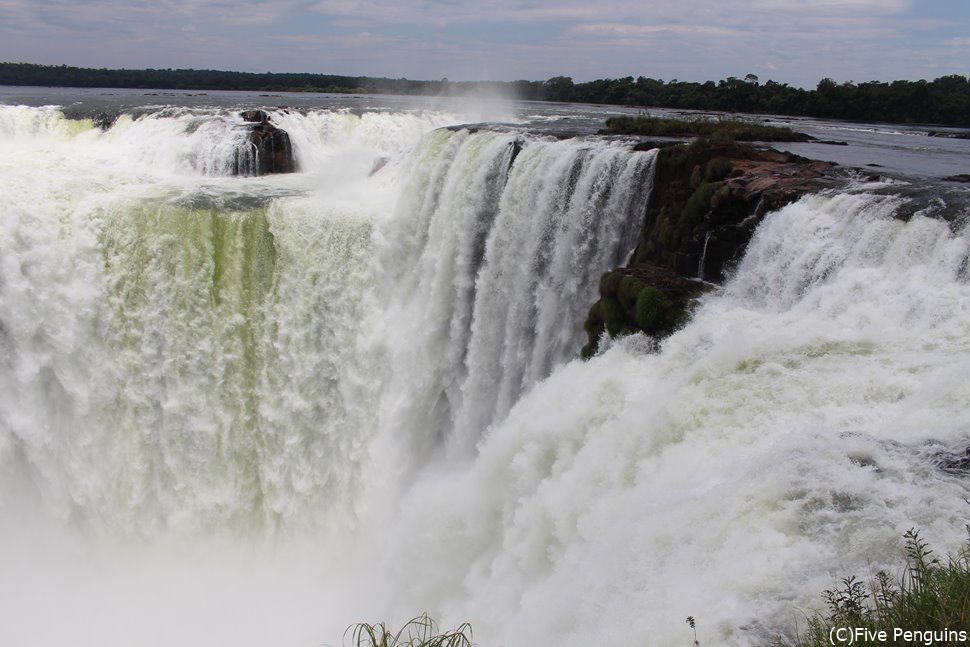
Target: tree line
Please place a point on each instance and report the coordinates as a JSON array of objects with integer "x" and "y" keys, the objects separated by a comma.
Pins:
[{"x": 945, "y": 100}]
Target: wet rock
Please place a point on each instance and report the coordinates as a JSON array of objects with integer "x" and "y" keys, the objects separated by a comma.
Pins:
[
  {"x": 950, "y": 134},
  {"x": 266, "y": 150},
  {"x": 379, "y": 163},
  {"x": 254, "y": 116},
  {"x": 706, "y": 202},
  {"x": 963, "y": 177},
  {"x": 105, "y": 120},
  {"x": 953, "y": 462}
]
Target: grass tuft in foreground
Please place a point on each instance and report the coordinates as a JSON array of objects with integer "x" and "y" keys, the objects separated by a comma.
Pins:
[
  {"x": 722, "y": 130},
  {"x": 930, "y": 601},
  {"x": 421, "y": 631}
]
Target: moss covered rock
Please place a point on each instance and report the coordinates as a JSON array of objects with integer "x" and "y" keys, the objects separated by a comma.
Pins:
[
  {"x": 706, "y": 202},
  {"x": 644, "y": 298}
]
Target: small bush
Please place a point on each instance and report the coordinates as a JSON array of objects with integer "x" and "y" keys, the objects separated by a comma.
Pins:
[
  {"x": 652, "y": 309},
  {"x": 630, "y": 288},
  {"x": 699, "y": 203},
  {"x": 610, "y": 283},
  {"x": 594, "y": 320},
  {"x": 717, "y": 169},
  {"x": 695, "y": 176},
  {"x": 613, "y": 316},
  {"x": 720, "y": 196}
]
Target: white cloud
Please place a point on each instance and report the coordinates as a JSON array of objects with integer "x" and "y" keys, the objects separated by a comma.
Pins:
[
  {"x": 625, "y": 30},
  {"x": 837, "y": 6},
  {"x": 795, "y": 41},
  {"x": 360, "y": 39}
]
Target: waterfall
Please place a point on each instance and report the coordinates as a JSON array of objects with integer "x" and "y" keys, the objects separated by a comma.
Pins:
[
  {"x": 788, "y": 436},
  {"x": 212, "y": 350},
  {"x": 500, "y": 265},
  {"x": 254, "y": 410},
  {"x": 180, "y": 351},
  {"x": 700, "y": 263}
]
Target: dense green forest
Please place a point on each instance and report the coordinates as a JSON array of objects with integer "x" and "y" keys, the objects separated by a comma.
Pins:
[{"x": 945, "y": 100}]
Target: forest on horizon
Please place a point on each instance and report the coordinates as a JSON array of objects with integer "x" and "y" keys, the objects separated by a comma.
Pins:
[{"x": 945, "y": 100}]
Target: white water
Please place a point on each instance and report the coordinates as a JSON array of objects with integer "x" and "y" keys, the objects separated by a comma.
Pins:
[
  {"x": 253, "y": 411},
  {"x": 784, "y": 438}
]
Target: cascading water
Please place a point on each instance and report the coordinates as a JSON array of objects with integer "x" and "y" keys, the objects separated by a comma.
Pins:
[
  {"x": 255, "y": 410},
  {"x": 192, "y": 338},
  {"x": 789, "y": 434},
  {"x": 500, "y": 261}
]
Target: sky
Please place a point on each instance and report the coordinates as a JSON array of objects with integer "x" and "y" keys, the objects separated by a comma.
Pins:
[{"x": 797, "y": 42}]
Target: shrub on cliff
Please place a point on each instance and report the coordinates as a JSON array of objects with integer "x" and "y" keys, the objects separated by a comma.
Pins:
[
  {"x": 614, "y": 317},
  {"x": 610, "y": 284},
  {"x": 653, "y": 310},
  {"x": 717, "y": 169},
  {"x": 630, "y": 288}
]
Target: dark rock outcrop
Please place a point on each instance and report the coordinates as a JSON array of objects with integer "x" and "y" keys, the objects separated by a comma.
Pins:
[
  {"x": 706, "y": 202},
  {"x": 953, "y": 462},
  {"x": 266, "y": 150},
  {"x": 950, "y": 134},
  {"x": 254, "y": 116}
]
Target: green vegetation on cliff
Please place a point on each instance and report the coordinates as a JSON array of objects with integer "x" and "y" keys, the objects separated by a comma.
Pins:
[
  {"x": 707, "y": 199},
  {"x": 643, "y": 298},
  {"x": 689, "y": 189},
  {"x": 655, "y": 293}
]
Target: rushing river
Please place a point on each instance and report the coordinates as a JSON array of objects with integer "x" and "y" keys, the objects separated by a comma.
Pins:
[{"x": 254, "y": 410}]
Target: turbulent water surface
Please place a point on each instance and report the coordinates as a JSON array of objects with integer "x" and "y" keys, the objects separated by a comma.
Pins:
[{"x": 252, "y": 411}]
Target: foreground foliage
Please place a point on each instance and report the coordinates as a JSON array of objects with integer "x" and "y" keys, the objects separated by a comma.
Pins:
[
  {"x": 927, "y": 605},
  {"x": 421, "y": 631},
  {"x": 931, "y": 600}
]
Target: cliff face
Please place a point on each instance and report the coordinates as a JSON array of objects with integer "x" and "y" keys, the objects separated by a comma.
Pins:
[{"x": 706, "y": 202}]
